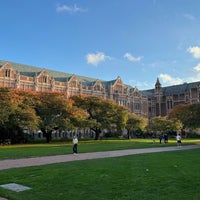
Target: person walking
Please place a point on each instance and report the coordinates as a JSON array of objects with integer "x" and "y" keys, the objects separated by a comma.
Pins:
[
  {"x": 160, "y": 138},
  {"x": 75, "y": 145},
  {"x": 178, "y": 139},
  {"x": 165, "y": 138}
]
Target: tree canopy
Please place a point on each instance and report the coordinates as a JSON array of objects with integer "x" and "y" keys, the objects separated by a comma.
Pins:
[
  {"x": 16, "y": 114},
  {"x": 102, "y": 114},
  {"x": 188, "y": 114},
  {"x": 21, "y": 110},
  {"x": 135, "y": 123},
  {"x": 164, "y": 125}
]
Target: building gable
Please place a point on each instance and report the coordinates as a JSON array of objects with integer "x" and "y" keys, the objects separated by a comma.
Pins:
[{"x": 98, "y": 86}]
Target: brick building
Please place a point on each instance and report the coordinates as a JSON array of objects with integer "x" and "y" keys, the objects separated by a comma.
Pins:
[{"x": 148, "y": 103}]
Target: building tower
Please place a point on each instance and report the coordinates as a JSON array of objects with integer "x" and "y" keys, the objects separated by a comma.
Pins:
[{"x": 158, "y": 96}]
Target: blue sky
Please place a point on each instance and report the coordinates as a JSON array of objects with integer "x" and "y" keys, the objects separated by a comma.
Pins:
[{"x": 138, "y": 40}]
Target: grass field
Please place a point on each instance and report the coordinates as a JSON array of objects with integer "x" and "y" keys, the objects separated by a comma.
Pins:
[
  {"x": 157, "y": 176},
  {"x": 33, "y": 150}
]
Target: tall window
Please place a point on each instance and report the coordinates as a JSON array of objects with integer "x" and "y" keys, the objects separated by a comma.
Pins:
[
  {"x": 44, "y": 79},
  {"x": 169, "y": 104},
  {"x": 7, "y": 74}
]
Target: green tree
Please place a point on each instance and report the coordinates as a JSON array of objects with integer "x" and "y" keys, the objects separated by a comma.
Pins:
[
  {"x": 7, "y": 105},
  {"x": 102, "y": 114},
  {"x": 194, "y": 116},
  {"x": 135, "y": 123},
  {"x": 54, "y": 111},
  {"x": 189, "y": 115},
  {"x": 164, "y": 125}
]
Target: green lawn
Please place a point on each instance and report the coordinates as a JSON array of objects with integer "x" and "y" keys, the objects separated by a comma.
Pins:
[
  {"x": 33, "y": 150},
  {"x": 157, "y": 176}
]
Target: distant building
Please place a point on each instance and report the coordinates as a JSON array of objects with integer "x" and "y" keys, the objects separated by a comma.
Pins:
[
  {"x": 146, "y": 103},
  {"x": 161, "y": 100}
]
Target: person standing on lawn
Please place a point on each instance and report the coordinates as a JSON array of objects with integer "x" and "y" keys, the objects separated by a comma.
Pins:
[
  {"x": 178, "y": 139},
  {"x": 75, "y": 145}
]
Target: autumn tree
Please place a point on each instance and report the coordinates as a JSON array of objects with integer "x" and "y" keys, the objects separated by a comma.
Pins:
[
  {"x": 102, "y": 114},
  {"x": 26, "y": 113},
  {"x": 188, "y": 114},
  {"x": 15, "y": 115},
  {"x": 7, "y": 107},
  {"x": 54, "y": 111}
]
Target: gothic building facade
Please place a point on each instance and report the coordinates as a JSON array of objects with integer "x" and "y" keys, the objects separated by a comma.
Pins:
[{"x": 147, "y": 103}]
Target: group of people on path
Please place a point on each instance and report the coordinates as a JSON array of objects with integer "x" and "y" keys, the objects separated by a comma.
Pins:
[{"x": 165, "y": 139}]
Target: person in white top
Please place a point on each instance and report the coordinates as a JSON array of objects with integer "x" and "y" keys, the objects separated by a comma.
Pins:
[
  {"x": 178, "y": 139},
  {"x": 75, "y": 145}
]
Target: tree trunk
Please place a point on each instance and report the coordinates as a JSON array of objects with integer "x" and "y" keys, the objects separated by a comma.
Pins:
[
  {"x": 128, "y": 134},
  {"x": 97, "y": 133},
  {"x": 47, "y": 134}
]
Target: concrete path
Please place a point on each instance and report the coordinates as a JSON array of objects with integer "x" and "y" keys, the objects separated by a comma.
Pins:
[{"x": 36, "y": 161}]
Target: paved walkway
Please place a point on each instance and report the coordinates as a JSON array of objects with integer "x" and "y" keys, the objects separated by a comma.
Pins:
[{"x": 36, "y": 161}]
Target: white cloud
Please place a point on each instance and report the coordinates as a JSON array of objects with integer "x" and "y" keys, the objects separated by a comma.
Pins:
[
  {"x": 70, "y": 9},
  {"x": 131, "y": 58},
  {"x": 194, "y": 79},
  {"x": 141, "y": 85},
  {"x": 197, "y": 68},
  {"x": 95, "y": 59},
  {"x": 170, "y": 80},
  {"x": 195, "y": 51},
  {"x": 189, "y": 16}
]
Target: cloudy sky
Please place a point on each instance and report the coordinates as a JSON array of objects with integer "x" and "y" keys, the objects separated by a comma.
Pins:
[{"x": 138, "y": 40}]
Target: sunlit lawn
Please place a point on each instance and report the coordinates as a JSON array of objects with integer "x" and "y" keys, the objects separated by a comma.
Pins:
[
  {"x": 33, "y": 150},
  {"x": 171, "y": 175}
]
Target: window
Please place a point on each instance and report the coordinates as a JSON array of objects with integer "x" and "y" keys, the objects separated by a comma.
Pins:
[
  {"x": 7, "y": 74},
  {"x": 169, "y": 104},
  {"x": 44, "y": 79}
]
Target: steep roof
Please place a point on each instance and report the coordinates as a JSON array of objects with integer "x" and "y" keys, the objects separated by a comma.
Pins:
[
  {"x": 175, "y": 89},
  {"x": 180, "y": 89},
  {"x": 148, "y": 93},
  {"x": 31, "y": 71}
]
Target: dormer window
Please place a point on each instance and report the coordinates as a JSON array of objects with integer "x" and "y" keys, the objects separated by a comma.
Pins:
[
  {"x": 73, "y": 84},
  {"x": 44, "y": 79},
  {"x": 7, "y": 74}
]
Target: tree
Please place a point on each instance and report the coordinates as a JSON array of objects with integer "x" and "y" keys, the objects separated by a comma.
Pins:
[
  {"x": 194, "y": 117},
  {"x": 7, "y": 107},
  {"x": 54, "y": 111},
  {"x": 131, "y": 123},
  {"x": 121, "y": 118},
  {"x": 15, "y": 115},
  {"x": 135, "y": 123},
  {"x": 25, "y": 113},
  {"x": 102, "y": 114},
  {"x": 189, "y": 115},
  {"x": 9, "y": 102},
  {"x": 164, "y": 125}
]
